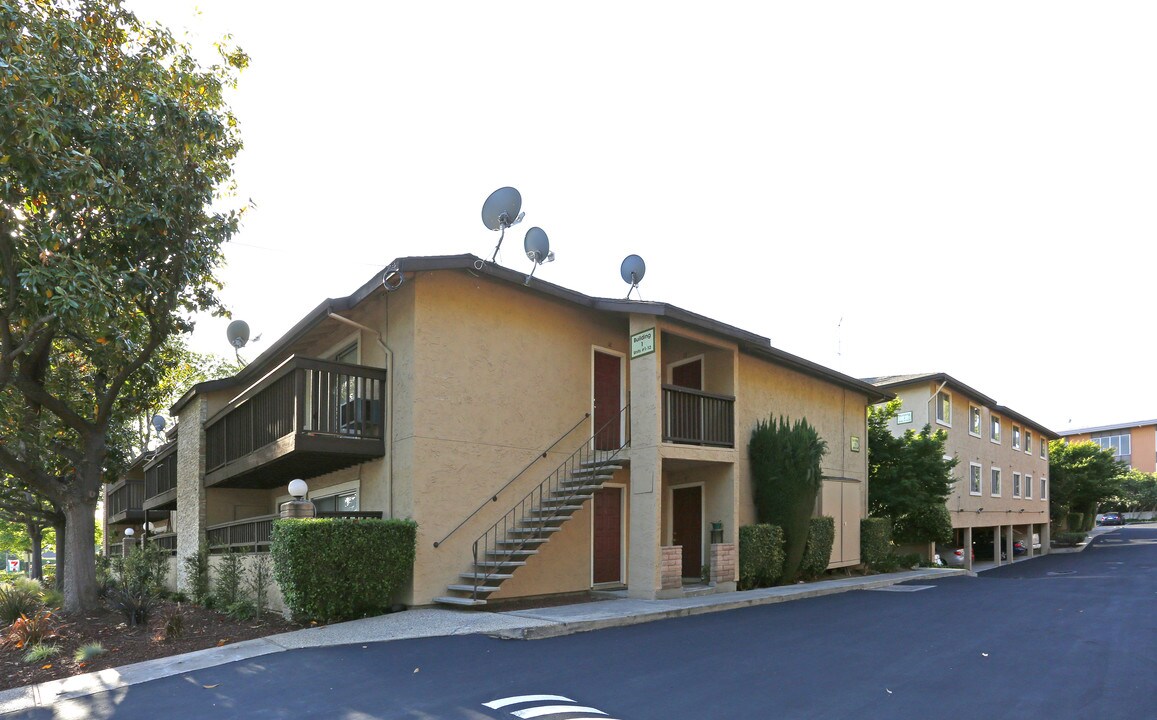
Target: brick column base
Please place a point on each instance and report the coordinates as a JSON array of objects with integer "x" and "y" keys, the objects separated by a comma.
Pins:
[
  {"x": 671, "y": 572},
  {"x": 724, "y": 564}
]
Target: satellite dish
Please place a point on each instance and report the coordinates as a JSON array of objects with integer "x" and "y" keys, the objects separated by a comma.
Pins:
[
  {"x": 632, "y": 271},
  {"x": 158, "y": 423},
  {"x": 238, "y": 334},
  {"x": 537, "y": 246},
  {"x": 501, "y": 210}
]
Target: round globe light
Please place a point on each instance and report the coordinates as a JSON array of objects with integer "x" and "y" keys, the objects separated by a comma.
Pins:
[{"x": 298, "y": 488}]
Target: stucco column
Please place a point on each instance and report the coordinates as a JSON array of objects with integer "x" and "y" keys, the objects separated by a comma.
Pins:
[
  {"x": 190, "y": 486},
  {"x": 997, "y": 543},
  {"x": 644, "y": 576},
  {"x": 968, "y": 549}
]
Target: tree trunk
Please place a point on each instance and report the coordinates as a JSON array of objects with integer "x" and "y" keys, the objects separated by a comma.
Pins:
[
  {"x": 80, "y": 573},
  {"x": 60, "y": 553},
  {"x": 35, "y": 538}
]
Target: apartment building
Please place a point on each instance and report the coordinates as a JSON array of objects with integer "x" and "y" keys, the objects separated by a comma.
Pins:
[
  {"x": 1133, "y": 443},
  {"x": 1001, "y": 490}
]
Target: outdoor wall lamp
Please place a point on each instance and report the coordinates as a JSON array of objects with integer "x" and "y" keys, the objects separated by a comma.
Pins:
[
  {"x": 979, "y": 510},
  {"x": 129, "y": 532},
  {"x": 298, "y": 507}
]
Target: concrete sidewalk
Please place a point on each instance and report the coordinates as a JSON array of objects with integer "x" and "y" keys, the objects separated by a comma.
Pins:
[{"x": 438, "y": 622}]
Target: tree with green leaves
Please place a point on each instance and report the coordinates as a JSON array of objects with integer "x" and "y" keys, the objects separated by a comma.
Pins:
[
  {"x": 1136, "y": 493},
  {"x": 114, "y": 145},
  {"x": 1081, "y": 476},
  {"x": 787, "y": 476},
  {"x": 909, "y": 480}
]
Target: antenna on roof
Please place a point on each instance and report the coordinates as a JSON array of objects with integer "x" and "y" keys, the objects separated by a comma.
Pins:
[
  {"x": 632, "y": 271},
  {"x": 537, "y": 246},
  {"x": 502, "y": 209}
]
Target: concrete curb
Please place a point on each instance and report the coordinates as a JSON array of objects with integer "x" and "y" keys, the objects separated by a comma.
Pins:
[{"x": 754, "y": 598}]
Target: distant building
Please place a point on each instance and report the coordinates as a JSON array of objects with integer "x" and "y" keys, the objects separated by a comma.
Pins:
[
  {"x": 1001, "y": 491},
  {"x": 1134, "y": 443}
]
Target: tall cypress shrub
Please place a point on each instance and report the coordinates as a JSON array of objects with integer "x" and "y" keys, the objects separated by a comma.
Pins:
[{"x": 787, "y": 477}]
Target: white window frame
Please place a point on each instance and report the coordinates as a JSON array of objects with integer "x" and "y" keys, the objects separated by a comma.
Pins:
[
  {"x": 1016, "y": 484},
  {"x": 1027, "y": 487},
  {"x": 975, "y": 478},
  {"x": 1027, "y": 441},
  {"x": 994, "y": 428},
  {"x": 974, "y": 412},
  {"x": 1044, "y": 449},
  {"x": 1044, "y": 489},
  {"x": 995, "y": 481},
  {"x": 946, "y": 422},
  {"x": 1016, "y": 437}
]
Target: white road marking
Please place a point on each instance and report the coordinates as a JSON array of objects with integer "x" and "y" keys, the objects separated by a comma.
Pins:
[
  {"x": 554, "y": 710},
  {"x": 516, "y": 699}
]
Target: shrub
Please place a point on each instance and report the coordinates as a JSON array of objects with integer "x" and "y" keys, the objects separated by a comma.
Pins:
[
  {"x": 53, "y": 598},
  {"x": 137, "y": 582},
  {"x": 1075, "y": 521},
  {"x": 260, "y": 575},
  {"x": 875, "y": 541},
  {"x": 174, "y": 624},
  {"x": 241, "y": 609},
  {"x": 761, "y": 556},
  {"x": 18, "y": 599},
  {"x": 817, "y": 553},
  {"x": 197, "y": 574},
  {"x": 227, "y": 586},
  {"x": 787, "y": 476},
  {"x": 87, "y": 652},
  {"x": 41, "y": 652},
  {"x": 29, "y": 630},
  {"x": 1069, "y": 538},
  {"x": 340, "y": 569}
]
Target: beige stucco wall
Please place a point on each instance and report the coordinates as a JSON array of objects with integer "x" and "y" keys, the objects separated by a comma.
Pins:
[
  {"x": 837, "y": 414},
  {"x": 983, "y": 510},
  {"x": 498, "y": 374}
]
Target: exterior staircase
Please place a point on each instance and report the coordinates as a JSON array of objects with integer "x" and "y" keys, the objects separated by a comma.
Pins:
[{"x": 507, "y": 545}]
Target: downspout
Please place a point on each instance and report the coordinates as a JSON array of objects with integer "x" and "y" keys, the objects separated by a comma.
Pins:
[{"x": 389, "y": 396}]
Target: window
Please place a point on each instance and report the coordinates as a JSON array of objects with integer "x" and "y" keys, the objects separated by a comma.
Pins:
[
  {"x": 347, "y": 355},
  {"x": 1016, "y": 437},
  {"x": 944, "y": 408},
  {"x": 973, "y": 479},
  {"x": 1044, "y": 488},
  {"x": 1016, "y": 485},
  {"x": 1028, "y": 487},
  {"x": 994, "y": 432},
  {"x": 1028, "y": 441},
  {"x": 1044, "y": 449},
  {"x": 995, "y": 482},
  {"x": 974, "y": 420},
  {"x": 1120, "y": 443},
  {"x": 342, "y": 502}
]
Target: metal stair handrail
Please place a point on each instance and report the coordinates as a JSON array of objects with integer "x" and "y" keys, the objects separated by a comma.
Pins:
[
  {"x": 517, "y": 517},
  {"x": 494, "y": 497}
]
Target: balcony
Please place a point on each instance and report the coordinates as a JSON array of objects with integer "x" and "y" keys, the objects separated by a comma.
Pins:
[
  {"x": 694, "y": 417},
  {"x": 125, "y": 502},
  {"x": 305, "y": 418},
  {"x": 161, "y": 480}
]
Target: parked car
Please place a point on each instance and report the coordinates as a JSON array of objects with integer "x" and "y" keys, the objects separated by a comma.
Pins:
[
  {"x": 1112, "y": 518},
  {"x": 1018, "y": 547},
  {"x": 952, "y": 556}
]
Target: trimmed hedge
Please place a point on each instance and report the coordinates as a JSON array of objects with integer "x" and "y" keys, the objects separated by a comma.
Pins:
[
  {"x": 340, "y": 569},
  {"x": 817, "y": 554},
  {"x": 761, "y": 556},
  {"x": 876, "y": 541}
]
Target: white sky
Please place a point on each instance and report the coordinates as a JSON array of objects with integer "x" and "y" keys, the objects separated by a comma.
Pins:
[{"x": 883, "y": 188}]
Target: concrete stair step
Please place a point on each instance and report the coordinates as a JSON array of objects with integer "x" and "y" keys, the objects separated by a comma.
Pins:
[
  {"x": 486, "y": 577},
  {"x": 482, "y": 589},
  {"x": 498, "y": 563},
  {"x": 469, "y": 602}
]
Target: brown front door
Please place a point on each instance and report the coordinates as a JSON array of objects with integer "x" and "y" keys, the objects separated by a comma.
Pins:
[
  {"x": 687, "y": 527},
  {"x": 608, "y": 536},
  {"x": 608, "y": 394}
]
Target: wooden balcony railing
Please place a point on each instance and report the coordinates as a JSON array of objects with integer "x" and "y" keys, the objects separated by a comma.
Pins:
[
  {"x": 694, "y": 417},
  {"x": 167, "y": 541},
  {"x": 161, "y": 480},
  {"x": 250, "y": 534},
  {"x": 304, "y": 418},
  {"x": 125, "y": 500}
]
